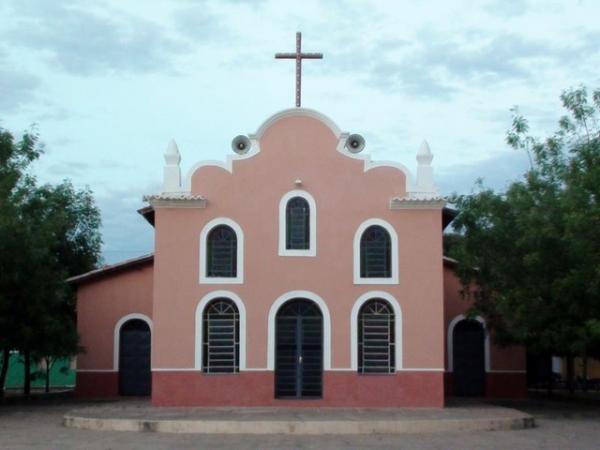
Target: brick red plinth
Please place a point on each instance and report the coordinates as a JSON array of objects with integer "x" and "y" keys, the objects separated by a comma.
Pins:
[
  {"x": 97, "y": 384},
  {"x": 347, "y": 389},
  {"x": 497, "y": 385},
  {"x": 506, "y": 385}
]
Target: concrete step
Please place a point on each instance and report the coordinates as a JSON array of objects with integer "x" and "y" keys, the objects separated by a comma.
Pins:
[{"x": 304, "y": 421}]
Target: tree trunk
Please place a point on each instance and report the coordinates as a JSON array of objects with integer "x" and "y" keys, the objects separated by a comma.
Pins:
[
  {"x": 584, "y": 370},
  {"x": 550, "y": 378},
  {"x": 27, "y": 373},
  {"x": 4, "y": 370},
  {"x": 570, "y": 374},
  {"x": 48, "y": 362}
]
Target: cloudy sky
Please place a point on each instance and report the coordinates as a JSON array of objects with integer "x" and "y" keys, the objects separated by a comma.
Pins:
[{"x": 109, "y": 83}]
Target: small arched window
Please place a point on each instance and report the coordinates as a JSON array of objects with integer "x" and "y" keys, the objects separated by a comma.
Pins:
[
  {"x": 297, "y": 224},
  {"x": 376, "y": 342},
  {"x": 221, "y": 255},
  {"x": 375, "y": 253},
  {"x": 221, "y": 337}
]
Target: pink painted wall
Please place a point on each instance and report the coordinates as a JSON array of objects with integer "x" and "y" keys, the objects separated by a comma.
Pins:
[
  {"x": 298, "y": 148},
  {"x": 504, "y": 359},
  {"x": 101, "y": 303}
]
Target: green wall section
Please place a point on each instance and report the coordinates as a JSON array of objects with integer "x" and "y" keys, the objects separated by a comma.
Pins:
[{"x": 61, "y": 374}]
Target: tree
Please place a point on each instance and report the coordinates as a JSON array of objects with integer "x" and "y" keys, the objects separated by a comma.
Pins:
[
  {"x": 47, "y": 233},
  {"x": 534, "y": 250}
]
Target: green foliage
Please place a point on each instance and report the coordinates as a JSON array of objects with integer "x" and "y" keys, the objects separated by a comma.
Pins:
[
  {"x": 534, "y": 251},
  {"x": 47, "y": 233}
]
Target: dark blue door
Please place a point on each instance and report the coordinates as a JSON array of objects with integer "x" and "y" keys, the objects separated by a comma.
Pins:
[
  {"x": 469, "y": 358},
  {"x": 299, "y": 350},
  {"x": 134, "y": 358}
]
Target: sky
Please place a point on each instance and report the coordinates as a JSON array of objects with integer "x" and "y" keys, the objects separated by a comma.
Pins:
[{"x": 108, "y": 83}]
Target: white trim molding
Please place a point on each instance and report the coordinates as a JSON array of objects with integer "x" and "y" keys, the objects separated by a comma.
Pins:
[
  {"x": 360, "y": 301},
  {"x": 394, "y": 279},
  {"x": 417, "y": 203},
  {"x": 198, "y": 337},
  {"x": 326, "y": 326},
  {"x": 450, "y": 343},
  {"x": 176, "y": 200},
  {"x": 117, "y": 334},
  {"x": 239, "y": 278},
  {"x": 312, "y": 246}
]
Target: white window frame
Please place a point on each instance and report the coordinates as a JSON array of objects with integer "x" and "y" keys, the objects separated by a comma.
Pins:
[
  {"x": 239, "y": 278},
  {"x": 312, "y": 205},
  {"x": 199, "y": 324},
  {"x": 395, "y": 278}
]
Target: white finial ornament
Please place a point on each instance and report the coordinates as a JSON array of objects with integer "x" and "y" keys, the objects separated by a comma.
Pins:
[
  {"x": 424, "y": 155},
  {"x": 172, "y": 171},
  {"x": 425, "y": 185}
]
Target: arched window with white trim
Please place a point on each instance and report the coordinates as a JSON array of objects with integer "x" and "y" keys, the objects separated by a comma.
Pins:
[
  {"x": 221, "y": 247},
  {"x": 376, "y": 253},
  {"x": 376, "y": 337},
  {"x": 221, "y": 337},
  {"x": 222, "y": 252},
  {"x": 297, "y": 224}
]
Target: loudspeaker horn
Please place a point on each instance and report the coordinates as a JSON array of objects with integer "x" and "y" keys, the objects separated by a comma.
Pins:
[
  {"x": 355, "y": 143},
  {"x": 241, "y": 144}
]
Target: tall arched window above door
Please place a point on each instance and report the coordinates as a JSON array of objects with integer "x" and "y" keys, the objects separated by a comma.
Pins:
[
  {"x": 297, "y": 224},
  {"x": 221, "y": 252},
  {"x": 375, "y": 253},
  {"x": 221, "y": 248}
]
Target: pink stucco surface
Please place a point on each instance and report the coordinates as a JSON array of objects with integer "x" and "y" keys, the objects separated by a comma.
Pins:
[
  {"x": 101, "y": 303},
  {"x": 294, "y": 148}
]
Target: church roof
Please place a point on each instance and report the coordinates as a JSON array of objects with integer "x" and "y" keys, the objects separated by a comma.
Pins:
[{"x": 110, "y": 269}]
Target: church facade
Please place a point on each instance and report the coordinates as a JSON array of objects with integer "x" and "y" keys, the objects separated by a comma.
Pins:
[{"x": 298, "y": 269}]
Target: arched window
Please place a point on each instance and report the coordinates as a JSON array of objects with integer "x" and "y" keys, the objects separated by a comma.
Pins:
[
  {"x": 376, "y": 342},
  {"x": 297, "y": 224},
  {"x": 375, "y": 253},
  {"x": 221, "y": 259},
  {"x": 221, "y": 337}
]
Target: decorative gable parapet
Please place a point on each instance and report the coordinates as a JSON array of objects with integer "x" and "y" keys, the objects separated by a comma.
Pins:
[{"x": 176, "y": 200}]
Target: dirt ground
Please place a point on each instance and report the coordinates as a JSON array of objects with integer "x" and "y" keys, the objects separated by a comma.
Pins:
[{"x": 38, "y": 425}]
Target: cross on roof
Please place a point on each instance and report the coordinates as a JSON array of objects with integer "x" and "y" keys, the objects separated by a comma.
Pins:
[{"x": 298, "y": 56}]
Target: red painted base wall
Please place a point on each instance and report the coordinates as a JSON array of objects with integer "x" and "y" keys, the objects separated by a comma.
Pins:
[
  {"x": 497, "y": 385},
  {"x": 97, "y": 384},
  {"x": 347, "y": 389}
]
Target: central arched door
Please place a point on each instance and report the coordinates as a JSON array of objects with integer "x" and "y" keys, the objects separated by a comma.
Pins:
[
  {"x": 134, "y": 358},
  {"x": 299, "y": 350},
  {"x": 469, "y": 358}
]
